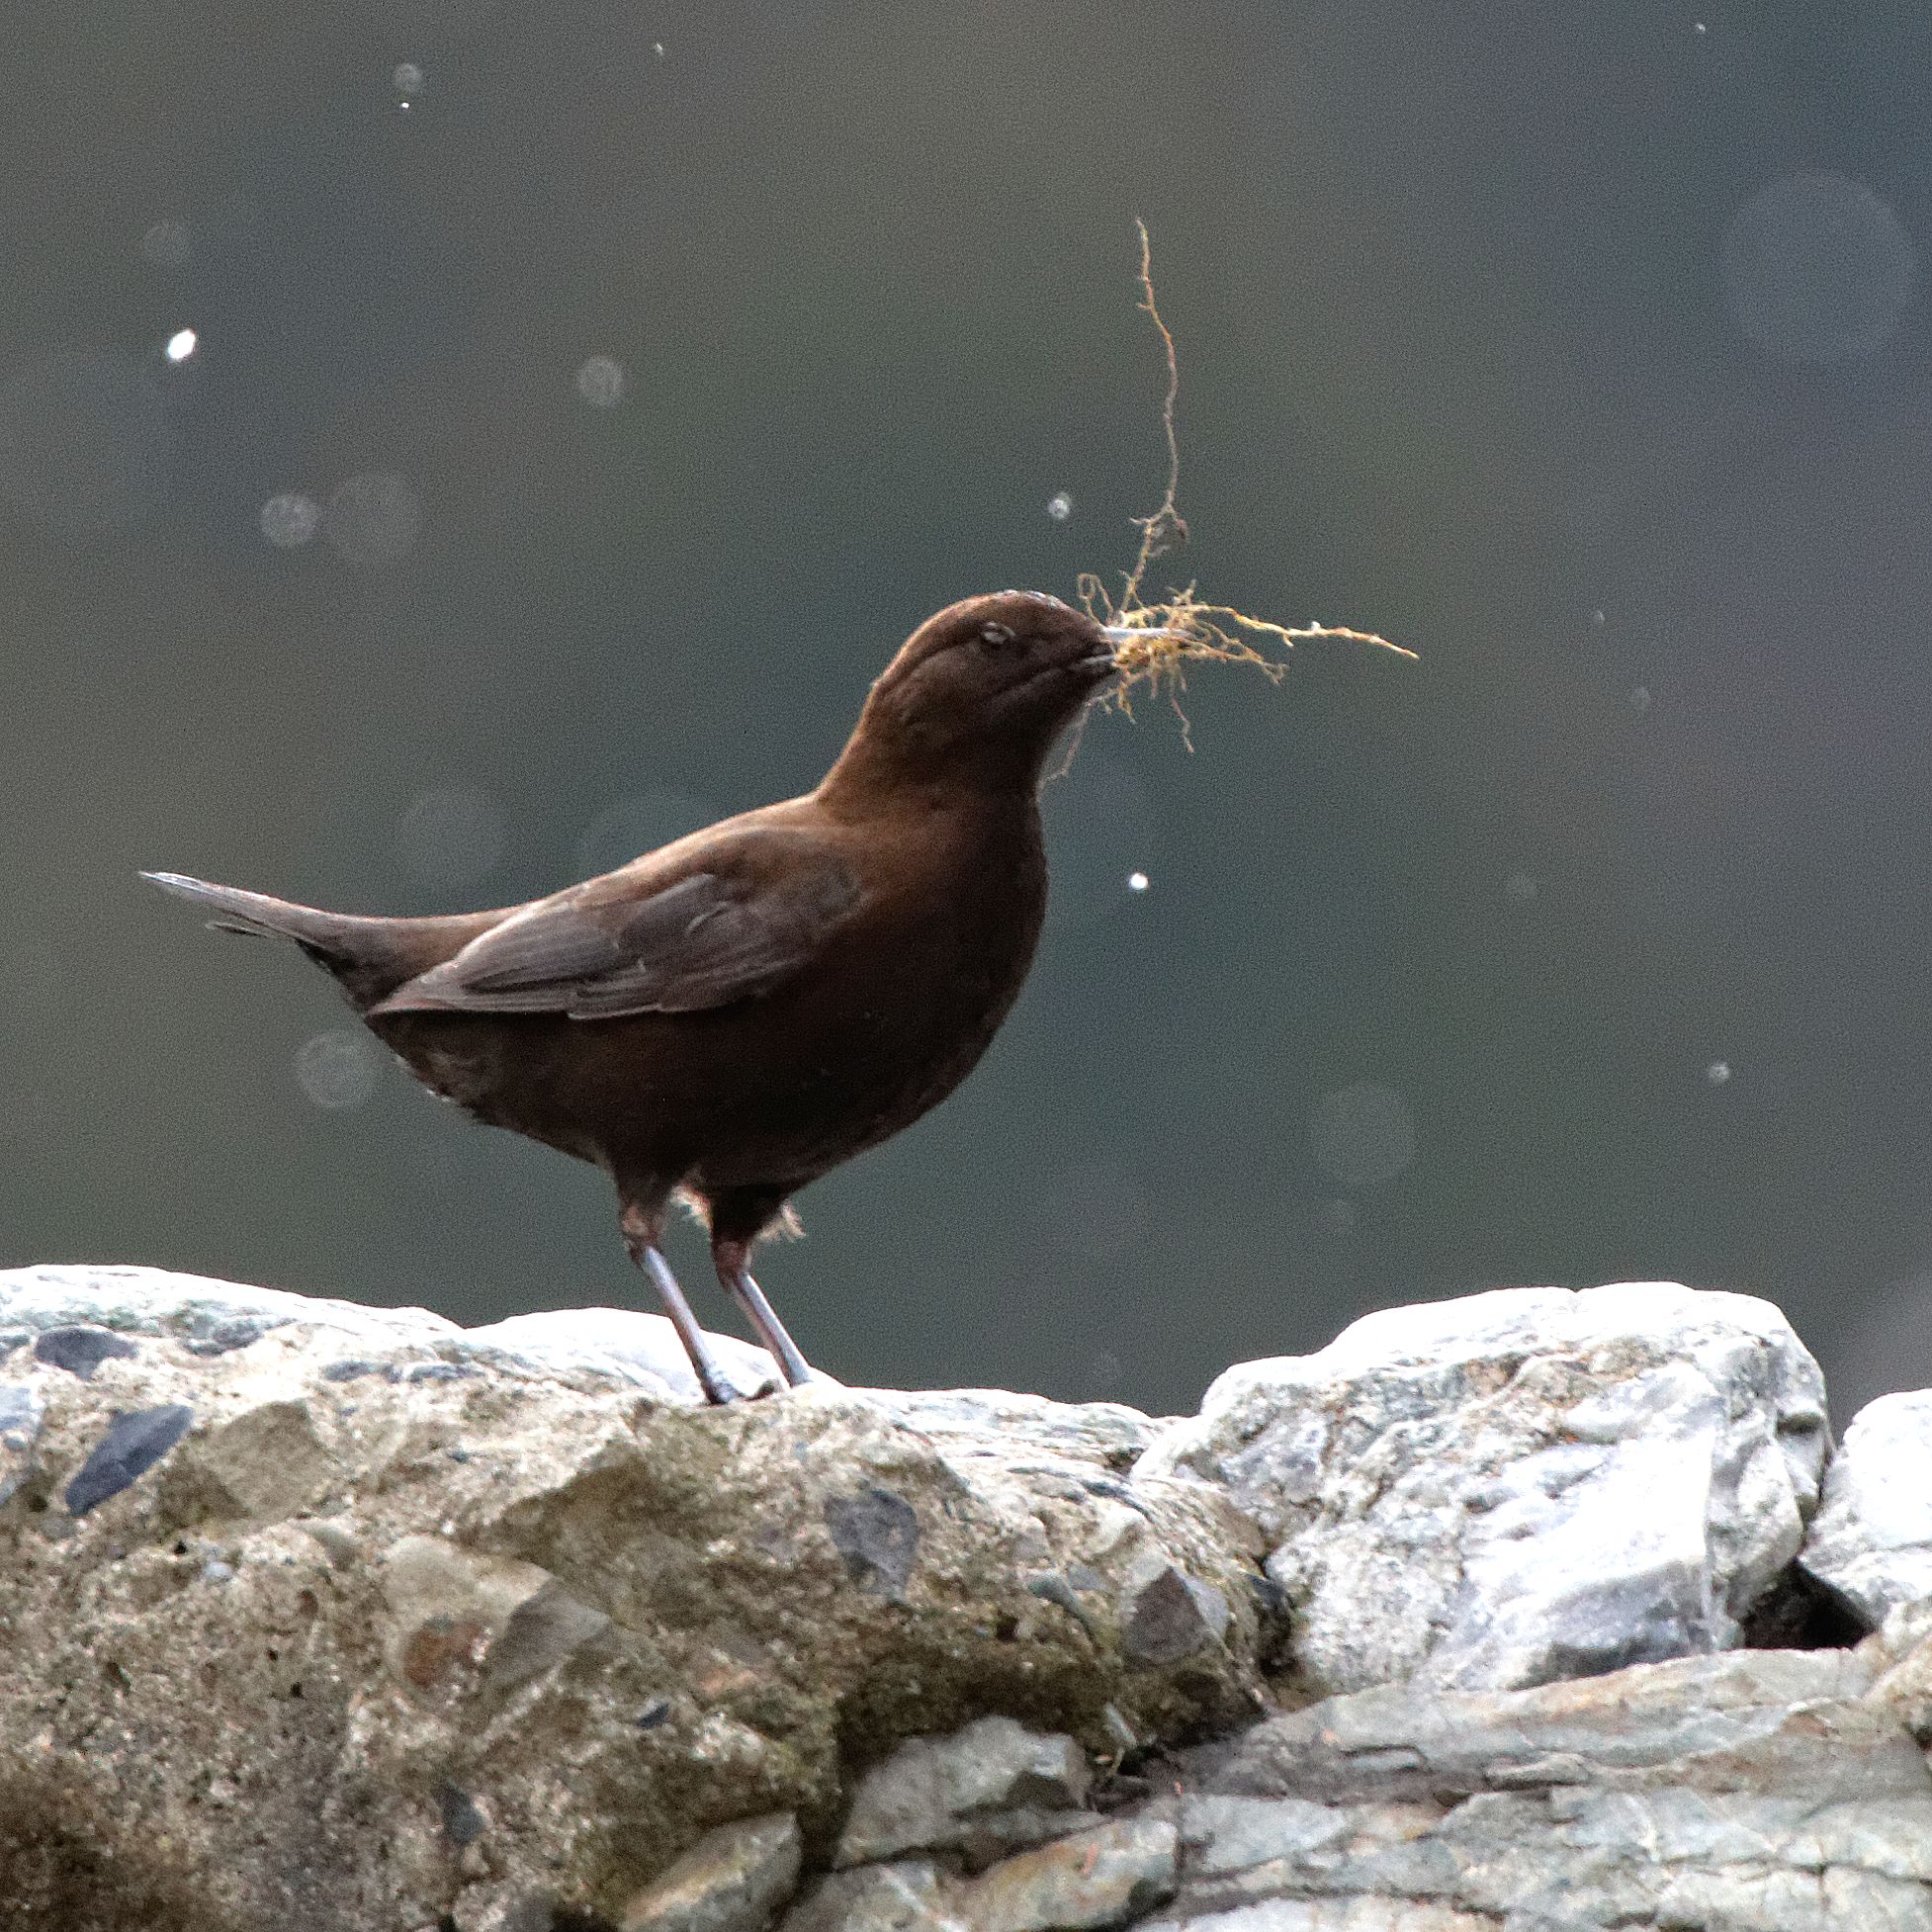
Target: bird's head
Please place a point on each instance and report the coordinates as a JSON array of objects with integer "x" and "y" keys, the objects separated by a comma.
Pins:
[{"x": 977, "y": 694}]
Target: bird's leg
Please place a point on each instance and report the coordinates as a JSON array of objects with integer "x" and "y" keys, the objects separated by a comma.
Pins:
[
  {"x": 641, "y": 1233},
  {"x": 728, "y": 1258}
]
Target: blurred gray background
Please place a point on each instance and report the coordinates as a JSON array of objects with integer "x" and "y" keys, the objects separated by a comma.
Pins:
[{"x": 581, "y": 403}]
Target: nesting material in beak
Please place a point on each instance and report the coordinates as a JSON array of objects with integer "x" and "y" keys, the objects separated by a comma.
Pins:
[{"x": 1154, "y": 643}]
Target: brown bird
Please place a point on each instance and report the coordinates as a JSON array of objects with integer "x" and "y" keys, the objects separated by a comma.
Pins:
[{"x": 729, "y": 1016}]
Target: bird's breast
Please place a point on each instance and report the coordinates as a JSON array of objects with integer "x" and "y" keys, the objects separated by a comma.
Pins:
[{"x": 903, "y": 1002}]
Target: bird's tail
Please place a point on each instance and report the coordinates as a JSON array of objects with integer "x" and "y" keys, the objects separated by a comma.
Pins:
[{"x": 257, "y": 913}]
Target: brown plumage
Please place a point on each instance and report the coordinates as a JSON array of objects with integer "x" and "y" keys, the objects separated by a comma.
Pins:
[{"x": 729, "y": 1018}]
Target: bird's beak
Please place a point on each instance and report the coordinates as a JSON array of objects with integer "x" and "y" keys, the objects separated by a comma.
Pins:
[{"x": 1119, "y": 636}]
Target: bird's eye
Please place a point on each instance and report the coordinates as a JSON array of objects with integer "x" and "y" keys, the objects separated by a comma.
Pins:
[{"x": 995, "y": 634}]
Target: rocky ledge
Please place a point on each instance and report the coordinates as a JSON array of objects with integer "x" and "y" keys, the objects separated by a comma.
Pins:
[{"x": 1529, "y": 1611}]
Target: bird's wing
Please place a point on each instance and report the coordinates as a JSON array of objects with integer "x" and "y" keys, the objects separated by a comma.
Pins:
[{"x": 759, "y": 909}]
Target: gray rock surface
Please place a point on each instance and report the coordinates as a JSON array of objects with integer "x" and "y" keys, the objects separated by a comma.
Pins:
[
  {"x": 1762, "y": 1792},
  {"x": 733, "y": 1880},
  {"x": 1107, "y": 1875},
  {"x": 1520, "y": 1486},
  {"x": 900, "y": 1897},
  {"x": 992, "y": 1782},
  {"x": 347, "y": 1618},
  {"x": 337, "y": 1617},
  {"x": 1801, "y": 1721},
  {"x": 1872, "y": 1541}
]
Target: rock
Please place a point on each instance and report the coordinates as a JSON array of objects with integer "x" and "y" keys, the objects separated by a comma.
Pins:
[
  {"x": 20, "y": 1411},
  {"x": 1767, "y": 1792},
  {"x": 877, "y": 1533},
  {"x": 292, "y": 1611},
  {"x": 1166, "y": 1616},
  {"x": 543, "y": 1629},
  {"x": 619, "y": 1341},
  {"x": 905, "y": 1896},
  {"x": 353, "y": 1617},
  {"x": 1797, "y": 1722},
  {"x": 943, "y": 1794},
  {"x": 1103, "y": 1876},
  {"x": 1577, "y": 1861},
  {"x": 1520, "y": 1486},
  {"x": 1352, "y": 1914},
  {"x": 130, "y": 1446},
  {"x": 1231, "y": 1834},
  {"x": 79, "y": 1349},
  {"x": 733, "y": 1880},
  {"x": 1871, "y": 1544}
]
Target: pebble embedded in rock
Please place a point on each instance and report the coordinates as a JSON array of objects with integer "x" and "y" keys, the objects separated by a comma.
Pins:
[
  {"x": 935, "y": 1793},
  {"x": 349, "y": 1371},
  {"x": 877, "y": 1533},
  {"x": 542, "y": 1630},
  {"x": 241, "y": 1331},
  {"x": 79, "y": 1349},
  {"x": 1166, "y": 1616},
  {"x": 134, "y": 1443},
  {"x": 733, "y": 1880},
  {"x": 462, "y": 1820}
]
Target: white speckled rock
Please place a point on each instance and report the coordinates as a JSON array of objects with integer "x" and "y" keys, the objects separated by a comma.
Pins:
[
  {"x": 1520, "y": 1486},
  {"x": 1872, "y": 1541},
  {"x": 1766, "y": 1792}
]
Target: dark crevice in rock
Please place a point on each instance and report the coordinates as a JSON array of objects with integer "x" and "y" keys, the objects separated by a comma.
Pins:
[{"x": 1798, "y": 1613}]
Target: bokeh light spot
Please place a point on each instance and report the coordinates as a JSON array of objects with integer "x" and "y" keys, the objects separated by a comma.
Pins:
[
  {"x": 600, "y": 382},
  {"x": 1099, "y": 821},
  {"x": 1717, "y": 1072},
  {"x": 291, "y": 519},
  {"x": 1818, "y": 267},
  {"x": 337, "y": 1069},
  {"x": 1060, "y": 506},
  {"x": 408, "y": 80},
  {"x": 1363, "y": 1135}
]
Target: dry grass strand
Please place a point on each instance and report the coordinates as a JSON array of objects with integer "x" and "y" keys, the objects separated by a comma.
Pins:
[{"x": 1180, "y": 629}]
